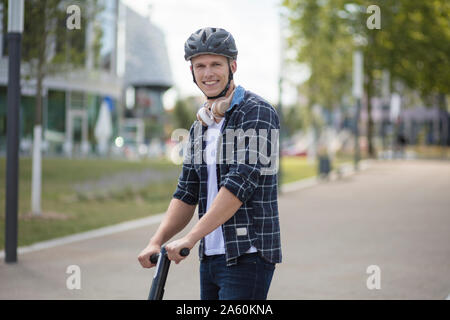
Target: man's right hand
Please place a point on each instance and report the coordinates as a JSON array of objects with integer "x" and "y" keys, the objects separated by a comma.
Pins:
[{"x": 144, "y": 256}]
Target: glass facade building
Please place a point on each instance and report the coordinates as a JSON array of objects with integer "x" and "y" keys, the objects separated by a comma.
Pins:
[{"x": 93, "y": 64}]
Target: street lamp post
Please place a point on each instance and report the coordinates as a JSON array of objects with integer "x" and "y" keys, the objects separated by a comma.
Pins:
[
  {"x": 385, "y": 93},
  {"x": 15, "y": 28}
]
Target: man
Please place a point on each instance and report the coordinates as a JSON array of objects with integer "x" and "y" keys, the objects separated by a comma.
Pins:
[{"x": 236, "y": 192}]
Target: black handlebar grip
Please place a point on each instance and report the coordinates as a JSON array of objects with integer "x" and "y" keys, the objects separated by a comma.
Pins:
[
  {"x": 183, "y": 252},
  {"x": 154, "y": 258}
]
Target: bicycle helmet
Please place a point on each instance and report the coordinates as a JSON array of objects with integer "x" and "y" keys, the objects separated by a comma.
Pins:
[{"x": 212, "y": 41}]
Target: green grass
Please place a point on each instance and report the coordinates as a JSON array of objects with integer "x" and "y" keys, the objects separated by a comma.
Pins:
[
  {"x": 67, "y": 212},
  {"x": 297, "y": 168}
]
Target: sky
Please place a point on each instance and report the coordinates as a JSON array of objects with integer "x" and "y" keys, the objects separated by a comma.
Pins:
[{"x": 254, "y": 25}]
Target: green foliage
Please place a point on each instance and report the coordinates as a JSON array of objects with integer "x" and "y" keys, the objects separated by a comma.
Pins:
[
  {"x": 47, "y": 45},
  {"x": 47, "y": 40},
  {"x": 413, "y": 43},
  {"x": 292, "y": 120},
  {"x": 184, "y": 112},
  {"x": 418, "y": 42},
  {"x": 325, "y": 44}
]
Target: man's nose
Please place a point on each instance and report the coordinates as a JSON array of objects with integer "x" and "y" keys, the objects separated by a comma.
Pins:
[{"x": 208, "y": 72}]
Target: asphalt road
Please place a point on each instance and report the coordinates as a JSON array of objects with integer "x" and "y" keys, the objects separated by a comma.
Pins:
[{"x": 395, "y": 216}]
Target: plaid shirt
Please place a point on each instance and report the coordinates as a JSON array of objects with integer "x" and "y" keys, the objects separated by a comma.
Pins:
[{"x": 255, "y": 183}]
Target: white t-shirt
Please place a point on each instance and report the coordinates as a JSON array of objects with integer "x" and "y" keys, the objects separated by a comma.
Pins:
[{"x": 214, "y": 242}]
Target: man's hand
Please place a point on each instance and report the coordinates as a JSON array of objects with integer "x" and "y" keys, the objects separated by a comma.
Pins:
[
  {"x": 144, "y": 256},
  {"x": 223, "y": 208},
  {"x": 177, "y": 217},
  {"x": 174, "y": 248}
]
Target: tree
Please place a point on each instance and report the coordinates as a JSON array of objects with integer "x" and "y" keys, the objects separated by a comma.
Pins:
[
  {"x": 413, "y": 44},
  {"x": 184, "y": 112},
  {"x": 48, "y": 47},
  {"x": 324, "y": 44},
  {"x": 293, "y": 120}
]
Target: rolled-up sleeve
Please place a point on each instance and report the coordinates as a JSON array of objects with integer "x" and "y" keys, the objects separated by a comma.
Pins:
[
  {"x": 188, "y": 185},
  {"x": 188, "y": 182},
  {"x": 243, "y": 176}
]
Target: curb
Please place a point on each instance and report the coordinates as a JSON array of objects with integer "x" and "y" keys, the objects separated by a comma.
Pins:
[{"x": 96, "y": 233}]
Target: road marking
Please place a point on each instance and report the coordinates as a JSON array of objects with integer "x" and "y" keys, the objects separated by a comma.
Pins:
[{"x": 124, "y": 226}]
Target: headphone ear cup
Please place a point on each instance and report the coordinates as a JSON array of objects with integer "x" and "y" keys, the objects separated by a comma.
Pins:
[
  {"x": 205, "y": 116},
  {"x": 219, "y": 107}
]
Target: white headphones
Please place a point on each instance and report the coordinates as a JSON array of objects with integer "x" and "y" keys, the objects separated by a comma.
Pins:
[{"x": 207, "y": 114}]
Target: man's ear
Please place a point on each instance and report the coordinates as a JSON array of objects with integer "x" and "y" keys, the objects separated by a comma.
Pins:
[
  {"x": 233, "y": 65},
  {"x": 192, "y": 72}
]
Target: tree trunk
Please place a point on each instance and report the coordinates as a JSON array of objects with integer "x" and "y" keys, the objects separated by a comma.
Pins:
[
  {"x": 36, "y": 181},
  {"x": 369, "y": 66},
  {"x": 370, "y": 126},
  {"x": 36, "y": 178},
  {"x": 445, "y": 125}
]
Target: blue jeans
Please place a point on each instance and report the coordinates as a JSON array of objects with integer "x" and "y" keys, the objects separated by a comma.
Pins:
[{"x": 249, "y": 279}]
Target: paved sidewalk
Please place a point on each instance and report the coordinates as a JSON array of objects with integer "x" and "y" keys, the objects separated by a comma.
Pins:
[{"x": 395, "y": 214}]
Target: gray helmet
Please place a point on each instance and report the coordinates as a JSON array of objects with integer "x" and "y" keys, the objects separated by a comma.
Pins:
[{"x": 212, "y": 41}]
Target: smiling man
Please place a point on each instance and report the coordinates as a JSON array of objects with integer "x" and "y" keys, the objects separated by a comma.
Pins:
[
  {"x": 238, "y": 225},
  {"x": 215, "y": 74}
]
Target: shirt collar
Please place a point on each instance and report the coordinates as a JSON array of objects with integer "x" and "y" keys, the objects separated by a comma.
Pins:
[{"x": 238, "y": 96}]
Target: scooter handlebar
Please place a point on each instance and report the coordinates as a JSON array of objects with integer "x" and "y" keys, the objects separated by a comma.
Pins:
[{"x": 183, "y": 252}]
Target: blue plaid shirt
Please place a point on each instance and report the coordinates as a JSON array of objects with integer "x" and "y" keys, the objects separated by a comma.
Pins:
[{"x": 254, "y": 182}]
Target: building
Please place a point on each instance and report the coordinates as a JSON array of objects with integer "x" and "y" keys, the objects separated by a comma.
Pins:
[
  {"x": 122, "y": 51},
  {"x": 144, "y": 83}
]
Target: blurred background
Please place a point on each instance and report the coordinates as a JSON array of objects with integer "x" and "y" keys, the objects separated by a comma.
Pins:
[{"x": 350, "y": 80}]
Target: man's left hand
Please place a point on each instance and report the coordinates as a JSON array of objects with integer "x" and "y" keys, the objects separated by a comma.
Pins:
[{"x": 173, "y": 249}]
